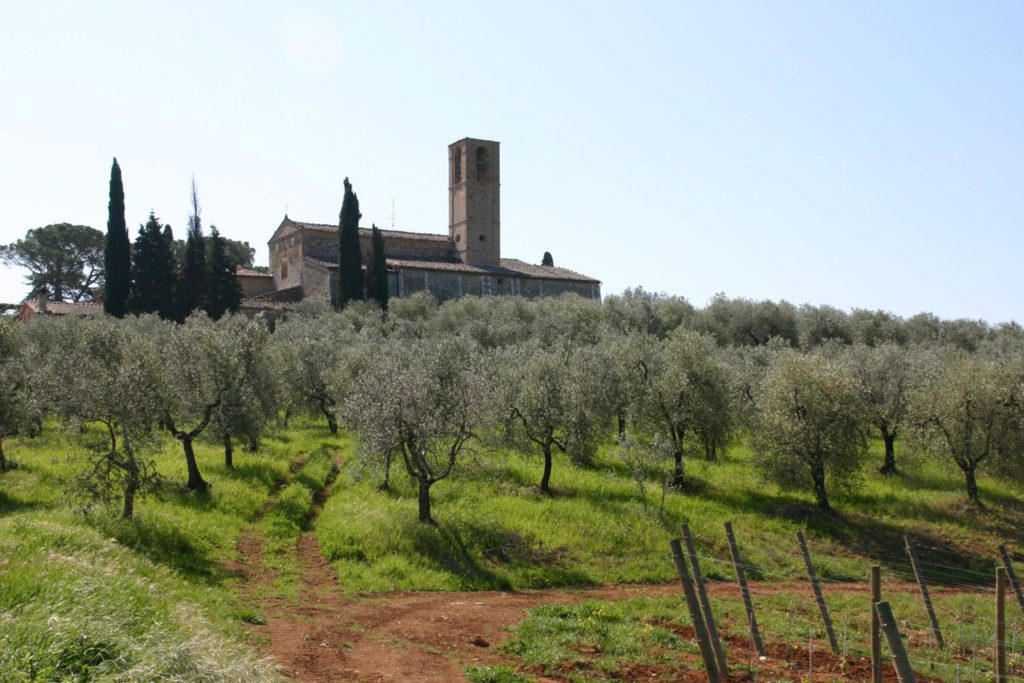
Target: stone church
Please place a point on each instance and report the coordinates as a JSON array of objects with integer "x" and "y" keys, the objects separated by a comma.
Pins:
[{"x": 465, "y": 261}]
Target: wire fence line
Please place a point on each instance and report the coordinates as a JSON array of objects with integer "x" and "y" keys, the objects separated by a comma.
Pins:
[{"x": 966, "y": 596}]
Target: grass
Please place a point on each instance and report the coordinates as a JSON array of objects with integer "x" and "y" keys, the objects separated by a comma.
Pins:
[
  {"x": 94, "y": 597},
  {"x": 288, "y": 517},
  {"x": 496, "y": 531},
  {"x": 98, "y": 598},
  {"x": 600, "y": 640}
]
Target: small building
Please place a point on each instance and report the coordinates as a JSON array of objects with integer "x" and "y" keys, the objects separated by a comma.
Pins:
[
  {"x": 41, "y": 305},
  {"x": 466, "y": 261}
]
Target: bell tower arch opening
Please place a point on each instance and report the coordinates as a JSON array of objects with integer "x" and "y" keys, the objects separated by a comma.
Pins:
[{"x": 474, "y": 201}]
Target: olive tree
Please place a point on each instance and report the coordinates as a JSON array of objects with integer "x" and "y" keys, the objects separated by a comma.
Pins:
[
  {"x": 886, "y": 376},
  {"x": 15, "y": 401},
  {"x": 104, "y": 371},
  {"x": 203, "y": 363},
  {"x": 421, "y": 399},
  {"x": 550, "y": 397},
  {"x": 969, "y": 411},
  {"x": 808, "y": 423},
  {"x": 684, "y": 389},
  {"x": 304, "y": 350}
]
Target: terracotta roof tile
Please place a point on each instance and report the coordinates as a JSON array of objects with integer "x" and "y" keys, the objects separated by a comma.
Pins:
[{"x": 365, "y": 232}]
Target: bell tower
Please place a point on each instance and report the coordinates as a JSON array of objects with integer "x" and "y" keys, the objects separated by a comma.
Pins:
[{"x": 474, "y": 215}]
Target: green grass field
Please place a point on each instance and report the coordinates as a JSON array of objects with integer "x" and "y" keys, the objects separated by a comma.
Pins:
[
  {"x": 495, "y": 530},
  {"x": 96, "y": 598},
  {"x": 90, "y": 597}
]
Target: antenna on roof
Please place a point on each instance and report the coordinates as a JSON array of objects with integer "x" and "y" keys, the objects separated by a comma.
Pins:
[{"x": 393, "y": 213}]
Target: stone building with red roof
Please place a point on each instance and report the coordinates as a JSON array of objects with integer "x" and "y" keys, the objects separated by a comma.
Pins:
[{"x": 466, "y": 261}]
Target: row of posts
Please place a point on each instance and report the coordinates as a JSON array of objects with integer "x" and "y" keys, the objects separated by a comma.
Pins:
[{"x": 883, "y": 622}]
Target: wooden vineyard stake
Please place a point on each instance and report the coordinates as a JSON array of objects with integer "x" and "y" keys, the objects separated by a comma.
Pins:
[
  {"x": 936, "y": 631},
  {"x": 900, "y": 661},
  {"x": 1001, "y": 625},
  {"x": 1012, "y": 575},
  {"x": 706, "y": 651},
  {"x": 818, "y": 597},
  {"x": 741, "y": 577},
  {"x": 876, "y": 625},
  {"x": 705, "y": 604}
]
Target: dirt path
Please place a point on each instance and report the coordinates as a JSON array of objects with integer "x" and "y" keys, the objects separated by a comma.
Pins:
[{"x": 430, "y": 637}]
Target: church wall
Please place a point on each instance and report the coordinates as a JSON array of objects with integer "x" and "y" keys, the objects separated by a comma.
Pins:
[{"x": 286, "y": 262}]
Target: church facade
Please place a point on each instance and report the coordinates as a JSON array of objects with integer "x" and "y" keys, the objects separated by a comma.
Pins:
[{"x": 466, "y": 261}]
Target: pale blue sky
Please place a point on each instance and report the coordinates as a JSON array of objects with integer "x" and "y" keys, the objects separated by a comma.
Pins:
[{"x": 861, "y": 154}]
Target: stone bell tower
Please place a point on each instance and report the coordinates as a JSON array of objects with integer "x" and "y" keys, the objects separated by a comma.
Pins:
[{"x": 474, "y": 216}]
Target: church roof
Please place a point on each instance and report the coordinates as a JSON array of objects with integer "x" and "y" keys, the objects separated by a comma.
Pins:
[
  {"x": 509, "y": 267},
  {"x": 363, "y": 232}
]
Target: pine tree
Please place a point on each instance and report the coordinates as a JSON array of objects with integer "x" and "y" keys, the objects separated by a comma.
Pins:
[
  {"x": 377, "y": 275},
  {"x": 350, "y": 258},
  {"x": 153, "y": 271},
  {"x": 117, "y": 254},
  {"x": 223, "y": 293},
  {"x": 192, "y": 285}
]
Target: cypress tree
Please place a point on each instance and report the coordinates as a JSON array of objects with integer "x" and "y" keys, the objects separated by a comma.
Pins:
[
  {"x": 223, "y": 293},
  {"x": 192, "y": 285},
  {"x": 350, "y": 258},
  {"x": 117, "y": 253},
  {"x": 377, "y": 275},
  {"x": 547, "y": 260},
  {"x": 153, "y": 271}
]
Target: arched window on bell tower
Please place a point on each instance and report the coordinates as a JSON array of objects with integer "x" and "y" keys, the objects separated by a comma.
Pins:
[
  {"x": 481, "y": 163},
  {"x": 457, "y": 163}
]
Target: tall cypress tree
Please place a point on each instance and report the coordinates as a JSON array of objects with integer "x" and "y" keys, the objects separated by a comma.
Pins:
[
  {"x": 153, "y": 271},
  {"x": 192, "y": 285},
  {"x": 117, "y": 254},
  {"x": 377, "y": 274},
  {"x": 223, "y": 293},
  {"x": 350, "y": 258}
]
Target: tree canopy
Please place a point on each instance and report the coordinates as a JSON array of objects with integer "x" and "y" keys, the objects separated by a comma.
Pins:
[{"x": 63, "y": 259}]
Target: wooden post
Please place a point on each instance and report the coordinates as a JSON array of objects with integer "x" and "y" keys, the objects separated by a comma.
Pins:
[
  {"x": 1012, "y": 575},
  {"x": 741, "y": 577},
  {"x": 705, "y": 604},
  {"x": 1001, "y": 625},
  {"x": 936, "y": 631},
  {"x": 818, "y": 597},
  {"x": 876, "y": 625},
  {"x": 900, "y": 661},
  {"x": 706, "y": 651}
]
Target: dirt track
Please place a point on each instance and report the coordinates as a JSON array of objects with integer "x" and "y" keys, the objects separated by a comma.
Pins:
[{"x": 324, "y": 636}]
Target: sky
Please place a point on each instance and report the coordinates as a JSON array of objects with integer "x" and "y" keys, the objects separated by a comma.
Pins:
[{"x": 861, "y": 154}]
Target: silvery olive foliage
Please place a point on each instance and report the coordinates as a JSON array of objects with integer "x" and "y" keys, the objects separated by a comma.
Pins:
[
  {"x": 303, "y": 352},
  {"x": 16, "y": 407},
  {"x": 104, "y": 372},
  {"x": 420, "y": 401},
  {"x": 969, "y": 411},
  {"x": 550, "y": 397},
  {"x": 422, "y": 386},
  {"x": 684, "y": 390},
  {"x": 809, "y": 423},
  {"x": 886, "y": 375},
  {"x": 202, "y": 363}
]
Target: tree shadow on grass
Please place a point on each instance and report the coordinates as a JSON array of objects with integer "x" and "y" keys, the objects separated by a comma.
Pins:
[
  {"x": 491, "y": 553},
  {"x": 9, "y": 504},
  {"x": 166, "y": 545},
  {"x": 877, "y": 540},
  {"x": 266, "y": 475}
]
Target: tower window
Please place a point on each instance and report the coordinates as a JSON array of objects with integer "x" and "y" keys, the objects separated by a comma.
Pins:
[
  {"x": 481, "y": 163},
  {"x": 481, "y": 238},
  {"x": 458, "y": 165},
  {"x": 284, "y": 270}
]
